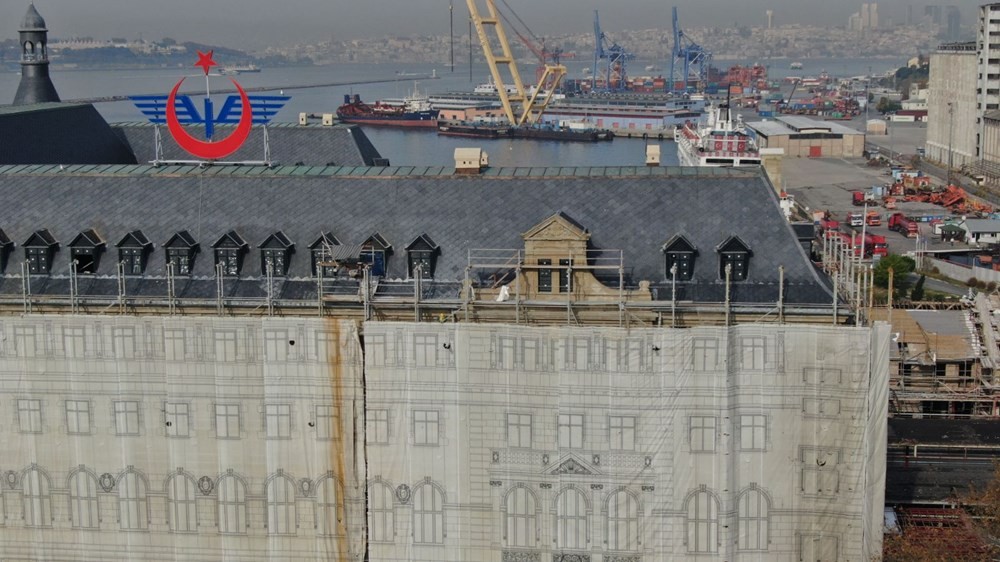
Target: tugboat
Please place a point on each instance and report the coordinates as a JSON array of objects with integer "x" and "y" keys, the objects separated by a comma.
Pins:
[
  {"x": 413, "y": 111},
  {"x": 239, "y": 69}
]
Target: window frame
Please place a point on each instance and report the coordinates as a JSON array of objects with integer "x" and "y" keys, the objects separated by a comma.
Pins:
[
  {"x": 570, "y": 425},
  {"x": 622, "y": 426},
  {"x": 88, "y": 412},
  {"x": 124, "y": 404},
  {"x": 34, "y": 415},
  {"x": 227, "y": 415}
]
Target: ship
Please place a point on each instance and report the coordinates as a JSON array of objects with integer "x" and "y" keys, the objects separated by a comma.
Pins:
[
  {"x": 412, "y": 111},
  {"x": 720, "y": 142},
  {"x": 541, "y": 131},
  {"x": 239, "y": 69},
  {"x": 795, "y": 66}
]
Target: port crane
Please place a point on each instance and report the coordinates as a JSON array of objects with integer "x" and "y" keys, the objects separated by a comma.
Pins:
[
  {"x": 616, "y": 75},
  {"x": 534, "y": 44},
  {"x": 519, "y": 107},
  {"x": 693, "y": 57}
]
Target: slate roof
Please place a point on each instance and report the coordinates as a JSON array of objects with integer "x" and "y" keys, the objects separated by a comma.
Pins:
[
  {"x": 312, "y": 145},
  {"x": 59, "y": 133},
  {"x": 633, "y": 209},
  {"x": 32, "y": 21}
]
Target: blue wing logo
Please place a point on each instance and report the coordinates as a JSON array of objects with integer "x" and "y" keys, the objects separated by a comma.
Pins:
[{"x": 154, "y": 107}]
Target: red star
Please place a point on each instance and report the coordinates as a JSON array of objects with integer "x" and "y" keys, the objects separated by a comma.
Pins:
[{"x": 205, "y": 61}]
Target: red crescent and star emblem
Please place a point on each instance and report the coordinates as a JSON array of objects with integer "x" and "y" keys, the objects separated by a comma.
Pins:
[{"x": 209, "y": 150}]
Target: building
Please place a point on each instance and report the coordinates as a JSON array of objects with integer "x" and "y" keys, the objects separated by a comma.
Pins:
[
  {"x": 35, "y": 85},
  {"x": 770, "y": 18},
  {"x": 804, "y": 137},
  {"x": 951, "y": 105}
]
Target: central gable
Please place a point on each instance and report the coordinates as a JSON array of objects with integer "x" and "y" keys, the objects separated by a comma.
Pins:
[{"x": 557, "y": 227}]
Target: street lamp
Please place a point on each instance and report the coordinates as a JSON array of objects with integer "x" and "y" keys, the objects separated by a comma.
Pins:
[{"x": 951, "y": 133}]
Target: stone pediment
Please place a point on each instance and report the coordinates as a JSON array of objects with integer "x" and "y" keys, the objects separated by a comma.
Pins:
[
  {"x": 557, "y": 227},
  {"x": 571, "y": 465}
]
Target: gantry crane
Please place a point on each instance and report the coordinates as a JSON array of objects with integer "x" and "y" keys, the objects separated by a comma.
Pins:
[
  {"x": 616, "y": 75},
  {"x": 530, "y": 108},
  {"x": 694, "y": 59}
]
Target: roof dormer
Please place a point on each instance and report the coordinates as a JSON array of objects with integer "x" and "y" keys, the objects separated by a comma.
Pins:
[
  {"x": 229, "y": 251},
  {"x": 421, "y": 253},
  {"x": 275, "y": 254},
  {"x": 133, "y": 252},
  {"x": 734, "y": 252},
  {"x": 6, "y": 247},
  {"x": 180, "y": 252},
  {"x": 39, "y": 249},
  {"x": 86, "y": 250},
  {"x": 321, "y": 252},
  {"x": 679, "y": 252},
  {"x": 375, "y": 252}
]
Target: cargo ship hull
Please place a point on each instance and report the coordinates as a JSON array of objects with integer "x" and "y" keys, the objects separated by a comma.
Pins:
[
  {"x": 428, "y": 120},
  {"x": 536, "y": 133},
  {"x": 412, "y": 113}
]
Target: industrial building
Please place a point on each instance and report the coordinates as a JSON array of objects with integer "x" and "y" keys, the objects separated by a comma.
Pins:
[
  {"x": 804, "y": 137},
  {"x": 951, "y": 105}
]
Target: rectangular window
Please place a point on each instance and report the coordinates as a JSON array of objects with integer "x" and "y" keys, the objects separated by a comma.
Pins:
[
  {"x": 74, "y": 342},
  {"x": 276, "y": 345},
  {"x": 227, "y": 421},
  {"x": 506, "y": 354},
  {"x": 425, "y": 350},
  {"x": 132, "y": 258},
  {"x": 752, "y": 353},
  {"x": 375, "y": 350},
  {"x": 180, "y": 259},
  {"x": 29, "y": 416},
  {"x": 324, "y": 421},
  {"x": 273, "y": 262},
  {"x": 529, "y": 354},
  {"x": 78, "y": 417},
  {"x": 230, "y": 260},
  {"x": 178, "y": 419},
  {"x": 425, "y": 427},
  {"x": 421, "y": 259},
  {"x": 544, "y": 277},
  {"x": 519, "y": 430},
  {"x": 565, "y": 276},
  {"x": 25, "y": 342},
  {"x": 706, "y": 354},
  {"x": 685, "y": 265},
  {"x": 702, "y": 434},
  {"x": 622, "y": 433},
  {"x": 38, "y": 260},
  {"x": 225, "y": 345},
  {"x": 278, "y": 421},
  {"x": 124, "y": 342},
  {"x": 753, "y": 432},
  {"x": 127, "y": 417},
  {"x": 570, "y": 431},
  {"x": 377, "y": 426}
]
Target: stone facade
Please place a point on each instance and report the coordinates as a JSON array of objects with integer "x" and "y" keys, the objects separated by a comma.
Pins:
[{"x": 951, "y": 106}]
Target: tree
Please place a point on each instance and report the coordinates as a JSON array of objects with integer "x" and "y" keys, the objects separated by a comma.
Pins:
[
  {"x": 901, "y": 266},
  {"x": 917, "y": 294}
]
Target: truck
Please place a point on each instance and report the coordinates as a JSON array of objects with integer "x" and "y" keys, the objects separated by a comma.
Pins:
[
  {"x": 857, "y": 198},
  {"x": 903, "y": 225},
  {"x": 873, "y": 219},
  {"x": 855, "y": 219}
]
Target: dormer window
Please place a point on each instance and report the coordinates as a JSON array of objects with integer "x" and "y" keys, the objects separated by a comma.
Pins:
[
  {"x": 6, "y": 247},
  {"x": 420, "y": 255},
  {"x": 679, "y": 253},
  {"x": 275, "y": 253},
  {"x": 133, "y": 251},
  {"x": 86, "y": 250},
  {"x": 374, "y": 252},
  {"x": 180, "y": 251},
  {"x": 322, "y": 253},
  {"x": 39, "y": 249},
  {"x": 735, "y": 253},
  {"x": 229, "y": 251}
]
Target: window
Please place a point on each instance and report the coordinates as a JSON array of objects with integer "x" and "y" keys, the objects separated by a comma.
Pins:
[
  {"x": 702, "y": 522},
  {"x": 328, "y": 521},
  {"x": 705, "y": 355},
  {"x": 182, "y": 513},
  {"x": 274, "y": 261},
  {"x": 281, "y": 516},
  {"x": 229, "y": 259},
  {"x": 232, "y": 505},
  {"x": 37, "y": 502},
  {"x": 565, "y": 276},
  {"x": 127, "y": 417},
  {"x": 544, "y": 276},
  {"x": 571, "y": 520},
  {"x": 227, "y": 421},
  {"x": 83, "y": 512},
  {"x": 622, "y": 430},
  {"x": 518, "y": 430},
  {"x": 278, "y": 421},
  {"x": 736, "y": 254},
  {"x": 428, "y": 515},
  {"x": 85, "y": 251},
  {"x": 752, "y": 352},
  {"x": 425, "y": 427},
  {"x": 752, "y": 509},
  {"x": 623, "y": 521},
  {"x": 74, "y": 342},
  {"x": 422, "y": 260},
  {"x": 132, "y": 510},
  {"x": 38, "y": 251},
  {"x": 325, "y": 418},
  {"x": 124, "y": 342},
  {"x": 78, "y": 417},
  {"x": 181, "y": 260},
  {"x": 820, "y": 476},
  {"x": 225, "y": 346},
  {"x": 377, "y": 426},
  {"x": 520, "y": 524},
  {"x": 173, "y": 345},
  {"x": 276, "y": 345},
  {"x": 753, "y": 432},
  {"x": 322, "y": 252},
  {"x": 381, "y": 513},
  {"x": 374, "y": 252},
  {"x": 684, "y": 261},
  {"x": 133, "y": 249},
  {"x": 702, "y": 434},
  {"x": 571, "y": 431},
  {"x": 29, "y": 416},
  {"x": 506, "y": 352},
  {"x": 425, "y": 350},
  {"x": 178, "y": 419}
]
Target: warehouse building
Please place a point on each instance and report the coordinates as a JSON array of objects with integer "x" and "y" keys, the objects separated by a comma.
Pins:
[{"x": 804, "y": 137}]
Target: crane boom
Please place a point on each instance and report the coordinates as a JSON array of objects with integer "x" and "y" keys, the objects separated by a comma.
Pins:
[{"x": 530, "y": 108}]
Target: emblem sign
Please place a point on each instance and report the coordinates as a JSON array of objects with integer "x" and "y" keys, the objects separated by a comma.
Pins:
[{"x": 176, "y": 110}]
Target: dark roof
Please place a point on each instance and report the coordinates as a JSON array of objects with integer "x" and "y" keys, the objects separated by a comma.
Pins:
[
  {"x": 4, "y": 239},
  {"x": 59, "y": 133},
  {"x": 33, "y": 21},
  {"x": 944, "y": 432},
  {"x": 632, "y": 209},
  {"x": 134, "y": 239},
  {"x": 312, "y": 145}
]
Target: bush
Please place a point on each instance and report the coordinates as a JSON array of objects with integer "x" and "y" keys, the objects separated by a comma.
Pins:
[
  {"x": 991, "y": 286},
  {"x": 972, "y": 282}
]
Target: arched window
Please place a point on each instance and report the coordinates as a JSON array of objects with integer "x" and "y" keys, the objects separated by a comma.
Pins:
[
  {"x": 132, "y": 506},
  {"x": 232, "y": 505},
  {"x": 521, "y": 524},
  {"x": 702, "y": 522},
  {"x": 182, "y": 513},
  {"x": 428, "y": 515},
  {"x": 623, "y": 521},
  {"x": 752, "y": 509},
  {"x": 328, "y": 508},
  {"x": 571, "y": 520},
  {"x": 281, "y": 516},
  {"x": 83, "y": 513},
  {"x": 381, "y": 513},
  {"x": 37, "y": 502}
]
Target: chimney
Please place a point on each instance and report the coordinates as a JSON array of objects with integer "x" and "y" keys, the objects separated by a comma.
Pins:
[
  {"x": 652, "y": 155},
  {"x": 770, "y": 158},
  {"x": 470, "y": 160}
]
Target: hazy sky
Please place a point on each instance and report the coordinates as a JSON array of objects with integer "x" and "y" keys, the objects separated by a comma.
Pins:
[{"x": 257, "y": 23}]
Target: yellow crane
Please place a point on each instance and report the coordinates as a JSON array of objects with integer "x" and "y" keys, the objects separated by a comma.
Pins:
[{"x": 530, "y": 108}]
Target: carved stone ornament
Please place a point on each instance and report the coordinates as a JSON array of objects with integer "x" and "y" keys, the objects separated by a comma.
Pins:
[
  {"x": 515, "y": 556},
  {"x": 403, "y": 493},
  {"x": 306, "y": 487},
  {"x": 570, "y": 466},
  {"x": 649, "y": 462},
  {"x": 206, "y": 485},
  {"x": 570, "y": 557},
  {"x": 496, "y": 457},
  {"x": 11, "y": 478},
  {"x": 545, "y": 459},
  {"x": 496, "y": 483},
  {"x": 107, "y": 482},
  {"x": 622, "y": 558}
]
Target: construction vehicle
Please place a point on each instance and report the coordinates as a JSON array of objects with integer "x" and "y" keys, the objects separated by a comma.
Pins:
[
  {"x": 518, "y": 106},
  {"x": 904, "y": 225},
  {"x": 855, "y": 219},
  {"x": 873, "y": 219},
  {"x": 857, "y": 198}
]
